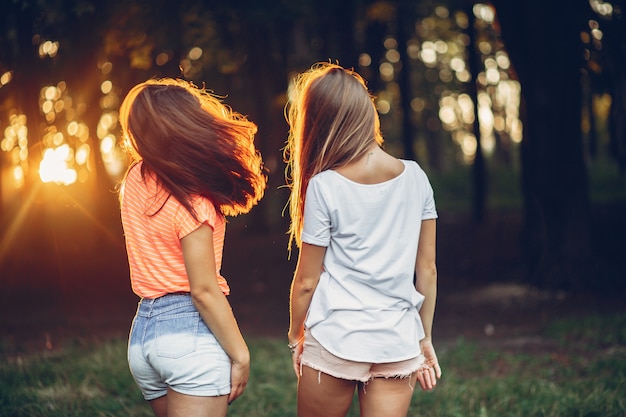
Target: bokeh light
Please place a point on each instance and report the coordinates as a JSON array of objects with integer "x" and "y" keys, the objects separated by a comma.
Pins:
[
  {"x": 56, "y": 166},
  {"x": 15, "y": 144},
  {"x": 48, "y": 49}
]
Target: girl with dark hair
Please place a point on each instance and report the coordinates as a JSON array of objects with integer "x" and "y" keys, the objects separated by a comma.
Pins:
[
  {"x": 364, "y": 222},
  {"x": 193, "y": 162}
]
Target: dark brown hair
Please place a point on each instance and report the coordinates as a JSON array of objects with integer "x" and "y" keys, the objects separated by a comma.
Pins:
[{"x": 193, "y": 144}]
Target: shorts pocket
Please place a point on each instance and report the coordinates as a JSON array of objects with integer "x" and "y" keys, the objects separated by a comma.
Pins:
[{"x": 177, "y": 334}]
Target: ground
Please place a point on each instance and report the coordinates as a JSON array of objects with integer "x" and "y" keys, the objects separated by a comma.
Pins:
[{"x": 57, "y": 290}]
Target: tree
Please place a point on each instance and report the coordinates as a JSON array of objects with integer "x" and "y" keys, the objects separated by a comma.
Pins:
[{"x": 543, "y": 40}]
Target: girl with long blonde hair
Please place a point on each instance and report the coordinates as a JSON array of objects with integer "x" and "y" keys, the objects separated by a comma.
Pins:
[{"x": 363, "y": 294}]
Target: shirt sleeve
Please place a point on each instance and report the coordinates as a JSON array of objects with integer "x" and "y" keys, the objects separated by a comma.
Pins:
[
  {"x": 316, "y": 229},
  {"x": 430, "y": 210},
  {"x": 185, "y": 222}
]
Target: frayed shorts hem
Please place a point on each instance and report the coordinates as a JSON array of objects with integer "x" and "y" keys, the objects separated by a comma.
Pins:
[
  {"x": 316, "y": 357},
  {"x": 332, "y": 373},
  {"x": 364, "y": 380},
  {"x": 217, "y": 392}
]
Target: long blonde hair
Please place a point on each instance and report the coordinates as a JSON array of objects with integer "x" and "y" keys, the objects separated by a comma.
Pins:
[
  {"x": 332, "y": 122},
  {"x": 193, "y": 144}
]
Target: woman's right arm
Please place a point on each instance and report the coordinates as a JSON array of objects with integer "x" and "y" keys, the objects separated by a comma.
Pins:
[
  {"x": 305, "y": 279},
  {"x": 426, "y": 284},
  {"x": 213, "y": 306}
]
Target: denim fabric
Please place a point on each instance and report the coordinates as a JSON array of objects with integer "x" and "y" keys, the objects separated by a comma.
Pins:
[{"x": 171, "y": 346}]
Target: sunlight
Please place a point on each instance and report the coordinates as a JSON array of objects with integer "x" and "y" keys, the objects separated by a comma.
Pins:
[
  {"x": 515, "y": 129},
  {"x": 441, "y": 47},
  {"x": 48, "y": 48},
  {"x": 106, "y": 87},
  {"x": 463, "y": 76},
  {"x": 386, "y": 71},
  {"x": 448, "y": 117},
  {"x": 485, "y": 113},
  {"x": 488, "y": 143},
  {"x": 446, "y": 75},
  {"x": 442, "y": 12},
  {"x": 393, "y": 56},
  {"x": 106, "y": 67},
  {"x": 503, "y": 60},
  {"x": 413, "y": 50},
  {"x": 484, "y": 12},
  {"x": 469, "y": 145},
  {"x": 418, "y": 104},
  {"x": 383, "y": 106},
  {"x": 428, "y": 54},
  {"x": 601, "y": 7},
  {"x": 107, "y": 144},
  {"x": 82, "y": 154},
  {"x": 113, "y": 157},
  {"x": 54, "y": 166},
  {"x": 6, "y": 78},
  {"x": 18, "y": 176},
  {"x": 466, "y": 105},
  {"x": 195, "y": 53},
  {"x": 443, "y": 50},
  {"x": 484, "y": 47},
  {"x": 15, "y": 144},
  {"x": 457, "y": 64},
  {"x": 162, "y": 59},
  {"x": 15, "y": 225},
  {"x": 461, "y": 19}
]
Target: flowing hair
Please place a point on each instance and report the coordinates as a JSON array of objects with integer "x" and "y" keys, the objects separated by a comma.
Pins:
[
  {"x": 193, "y": 145},
  {"x": 332, "y": 122}
]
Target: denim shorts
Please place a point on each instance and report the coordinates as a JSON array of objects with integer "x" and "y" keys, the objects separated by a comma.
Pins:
[
  {"x": 171, "y": 346},
  {"x": 316, "y": 357}
]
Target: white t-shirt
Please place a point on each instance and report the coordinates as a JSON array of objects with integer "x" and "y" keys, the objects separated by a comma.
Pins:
[{"x": 365, "y": 307}]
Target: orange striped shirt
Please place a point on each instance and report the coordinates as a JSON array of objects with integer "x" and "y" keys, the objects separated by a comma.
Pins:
[{"x": 153, "y": 245}]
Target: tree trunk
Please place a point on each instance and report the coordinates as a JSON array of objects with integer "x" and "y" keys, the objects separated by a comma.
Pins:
[
  {"x": 478, "y": 167},
  {"x": 543, "y": 41},
  {"x": 406, "y": 23}
]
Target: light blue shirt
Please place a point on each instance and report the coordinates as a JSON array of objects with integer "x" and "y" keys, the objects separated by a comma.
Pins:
[{"x": 365, "y": 307}]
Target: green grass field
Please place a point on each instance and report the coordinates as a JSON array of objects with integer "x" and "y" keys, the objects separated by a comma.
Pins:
[{"x": 579, "y": 370}]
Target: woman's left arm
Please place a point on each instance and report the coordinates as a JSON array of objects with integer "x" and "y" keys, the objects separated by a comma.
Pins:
[
  {"x": 305, "y": 279},
  {"x": 426, "y": 284},
  {"x": 213, "y": 306}
]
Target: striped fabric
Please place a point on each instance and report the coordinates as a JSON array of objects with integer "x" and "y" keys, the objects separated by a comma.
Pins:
[{"x": 153, "y": 240}]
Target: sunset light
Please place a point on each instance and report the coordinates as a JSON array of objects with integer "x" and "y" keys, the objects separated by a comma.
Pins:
[
  {"x": 15, "y": 144},
  {"x": 601, "y": 7},
  {"x": 6, "y": 78},
  {"x": 48, "y": 49},
  {"x": 500, "y": 125},
  {"x": 54, "y": 166}
]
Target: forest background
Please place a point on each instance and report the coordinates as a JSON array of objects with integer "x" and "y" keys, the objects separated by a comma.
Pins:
[{"x": 516, "y": 110}]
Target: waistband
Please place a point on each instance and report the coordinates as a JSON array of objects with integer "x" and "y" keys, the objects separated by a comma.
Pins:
[{"x": 154, "y": 306}]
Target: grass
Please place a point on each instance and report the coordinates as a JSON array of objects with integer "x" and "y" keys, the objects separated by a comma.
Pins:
[{"x": 579, "y": 371}]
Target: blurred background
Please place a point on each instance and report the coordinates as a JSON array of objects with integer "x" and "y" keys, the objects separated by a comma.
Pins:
[{"x": 516, "y": 110}]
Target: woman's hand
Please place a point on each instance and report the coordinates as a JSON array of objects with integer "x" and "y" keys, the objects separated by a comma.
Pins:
[
  {"x": 430, "y": 371},
  {"x": 213, "y": 306},
  {"x": 296, "y": 357},
  {"x": 239, "y": 374}
]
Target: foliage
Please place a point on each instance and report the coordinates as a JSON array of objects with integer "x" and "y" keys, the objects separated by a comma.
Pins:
[{"x": 579, "y": 370}]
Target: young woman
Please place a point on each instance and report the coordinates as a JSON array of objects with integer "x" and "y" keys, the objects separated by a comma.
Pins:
[
  {"x": 193, "y": 161},
  {"x": 365, "y": 225}
]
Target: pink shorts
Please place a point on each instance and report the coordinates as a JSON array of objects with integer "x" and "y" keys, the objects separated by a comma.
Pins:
[{"x": 316, "y": 357}]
